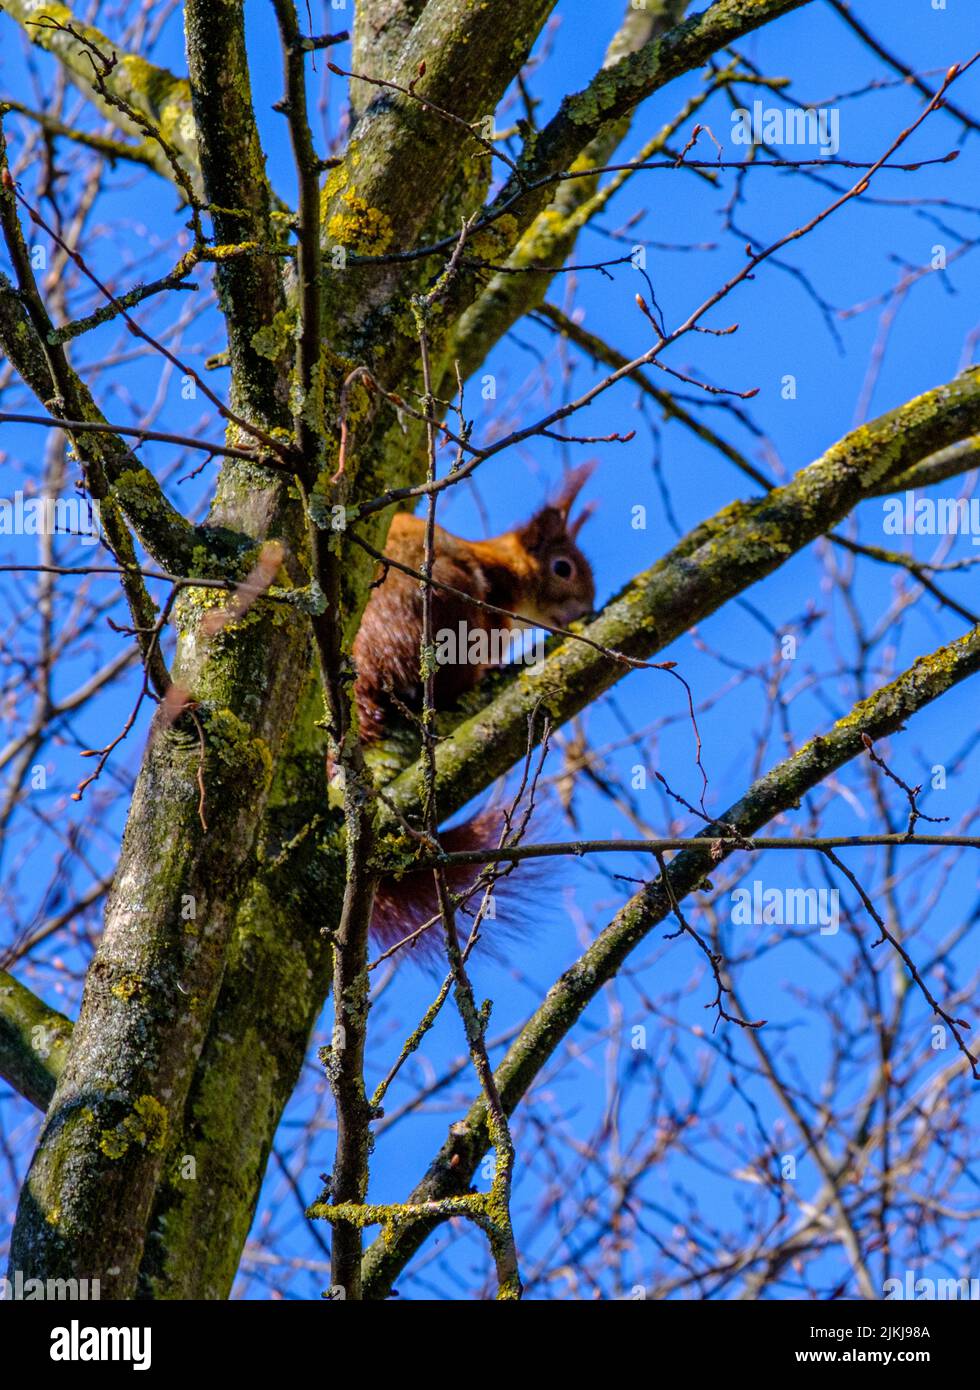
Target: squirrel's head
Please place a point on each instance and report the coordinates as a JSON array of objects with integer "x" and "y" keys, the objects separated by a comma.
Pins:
[{"x": 564, "y": 588}]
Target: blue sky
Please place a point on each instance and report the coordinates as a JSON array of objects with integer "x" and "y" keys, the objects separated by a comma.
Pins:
[{"x": 856, "y": 256}]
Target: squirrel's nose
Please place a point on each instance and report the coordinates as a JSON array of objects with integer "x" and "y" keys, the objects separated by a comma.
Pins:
[{"x": 573, "y": 610}]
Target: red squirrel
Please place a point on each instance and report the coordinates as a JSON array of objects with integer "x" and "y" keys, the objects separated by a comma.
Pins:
[{"x": 535, "y": 572}]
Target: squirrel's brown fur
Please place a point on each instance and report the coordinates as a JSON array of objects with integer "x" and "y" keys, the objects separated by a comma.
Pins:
[{"x": 535, "y": 571}]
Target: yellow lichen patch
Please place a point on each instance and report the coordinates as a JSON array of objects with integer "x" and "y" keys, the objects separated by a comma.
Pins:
[
  {"x": 147, "y": 1125},
  {"x": 360, "y": 228},
  {"x": 334, "y": 182},
  {"x": 272, "y": 340},
  {"x": 193, "y": 604},
  {"x": 496, "y": 240},
  {"x": 113, "y": 1144},
  {"x": 126, "y": 987},
  {"x": 152, "y": 1118}
]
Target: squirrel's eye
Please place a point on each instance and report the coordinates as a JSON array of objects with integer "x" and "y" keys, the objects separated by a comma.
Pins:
[{"x": 562, "y": 568}]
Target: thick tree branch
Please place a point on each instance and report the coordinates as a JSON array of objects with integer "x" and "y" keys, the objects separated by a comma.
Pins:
[
  {"x": 250, "y": 289},
  {"x": 616, "y": 90},
  {"x": 165, "y": 532},
  {"x": 409, "y": 175},
  {"x": 721, "y": 558},
  {"x": 947, "y": 463},
  {"x": 33, "y": 1041},
  {"x": 552, "y": 236},
  {"x": 149, "y": 994},
  {"x": 148, "y": 153},
  {"x": 151, "y": 90},
  {"x": 381, "y": 29},
  {"x": 68, "y": 395},
  {"x": 278, "y": 975}
]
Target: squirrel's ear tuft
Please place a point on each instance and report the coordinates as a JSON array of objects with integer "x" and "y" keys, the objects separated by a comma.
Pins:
[
  {"x": 583, "y": 516},
  {"x": 549, "y": 526},
  {"x": 572, "y": 485}
]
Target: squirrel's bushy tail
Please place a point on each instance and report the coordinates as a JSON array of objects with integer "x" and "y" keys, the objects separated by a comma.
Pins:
[{"x": 404, "y": 904}]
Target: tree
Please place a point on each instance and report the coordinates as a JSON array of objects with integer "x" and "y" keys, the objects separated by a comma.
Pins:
[{"x": 244, "y": 885}]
